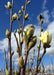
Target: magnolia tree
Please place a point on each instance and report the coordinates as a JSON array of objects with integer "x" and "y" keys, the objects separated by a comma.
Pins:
[{"x": 27, "y": 37}]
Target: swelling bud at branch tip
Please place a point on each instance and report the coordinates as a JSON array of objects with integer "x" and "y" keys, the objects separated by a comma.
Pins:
[
  {"x": 18, "y": 31},
  {"x": 8, "y": 5},
  {"x": 17, "y": 49},
  {"x": 14, "y": 17},
  {"x": 38, "y": 46},
  {"x": 22, "y": 7},
  {"x": 26, "y": 16},
  {"x": 39, "y": 69},
  {"x": 7, "y": 72},
  {"x": 32, "y": 42},
  {"x": 16, "y": 73},
  {"x": 25, "y": 39},
  {"x": 30, "y": 31},
  {"x": 19, "y": 12},
  {"x": 31, "y": 26},
  {"x": 7, "y": 33},
  {"x": 28, "y": 2},
  {"x": 21, "y": 61},
  {"x": 21, "y": 40}
]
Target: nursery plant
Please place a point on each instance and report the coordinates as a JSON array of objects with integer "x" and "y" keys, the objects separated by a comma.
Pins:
[{"x": 26, "y": 37}]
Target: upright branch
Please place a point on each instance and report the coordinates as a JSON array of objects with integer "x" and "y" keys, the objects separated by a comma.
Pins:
[
  {"x": 44, "y": 38},
  {"x": 40, "y": 61},
  {"x": 8, "y": 33},
  {"x": 39, "y": 45},
  {"x": 10, "y": 38},
  {"x": 24, "y": 17},
  {"x": 6, "y": 59}
]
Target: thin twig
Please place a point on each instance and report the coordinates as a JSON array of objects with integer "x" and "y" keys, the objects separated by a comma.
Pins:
[
  {"x": 40, "y": 61},
  {"x": 10, "y": 37},
  {"x": 16, "y": 40},
  {"x": 24, "y": 17}
]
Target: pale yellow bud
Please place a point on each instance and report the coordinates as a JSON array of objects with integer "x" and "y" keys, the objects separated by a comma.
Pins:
[
  {"x": 38, "y": 46},
  {"x": 26, "y": 16},
  {"x": 19, "y": 12},
  {"x": 30, "y": 32},
  {"x": 18, "y": 31},
  {"x": 25, "y": 39},
  {"x": 14, "y": 17},
  {"x": 8, "y": 5},
  {"x": 30, "y": 73},
  {"x": 16, "y": 73},
  {"x": 17, "y": 50},
  {"x": 31, "y": 26},
  {"x": 7, "y": 33},
  {"x": 28, "y": 2},
  {"x": 7, "y": 72},
  {"x": 39, "y": 68},
  {"x": 21, "y": 41},
  {"x": 22, "y": 8},
  {"x": 32, "y": 42},
  {"x": 21, "y": 61},
  {"x": 30, "y": 45}
]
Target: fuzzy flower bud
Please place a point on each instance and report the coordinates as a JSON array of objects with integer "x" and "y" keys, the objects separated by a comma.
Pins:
[
  {"x": 7, "y": 72},
  {"x": 8, "y": 5},
  {"x": 14, "y": 17},
  {"x": 21, "y": 61},
  {"x": 32, "y": 42},
  {"x": 25, "y": 39},
  {"x": 26, "y": 16},
  {"x": 17, "y": 50},
  {"x": 28, "y": 2},
  {"x": 39, "y": 69},
  {"x": 19, "y": 12},
  {"x": 18, "y": 31},
  {"x": 16, "y": 72},
  {"x": 30, "y": 32},
  {"x": 31, "y": 26},
  {"x": 21, "y": 41},
  {"x": 38, "y": 46},
  {"x": 7, "y": 33},
  {"x": 22, "y": 8}
]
